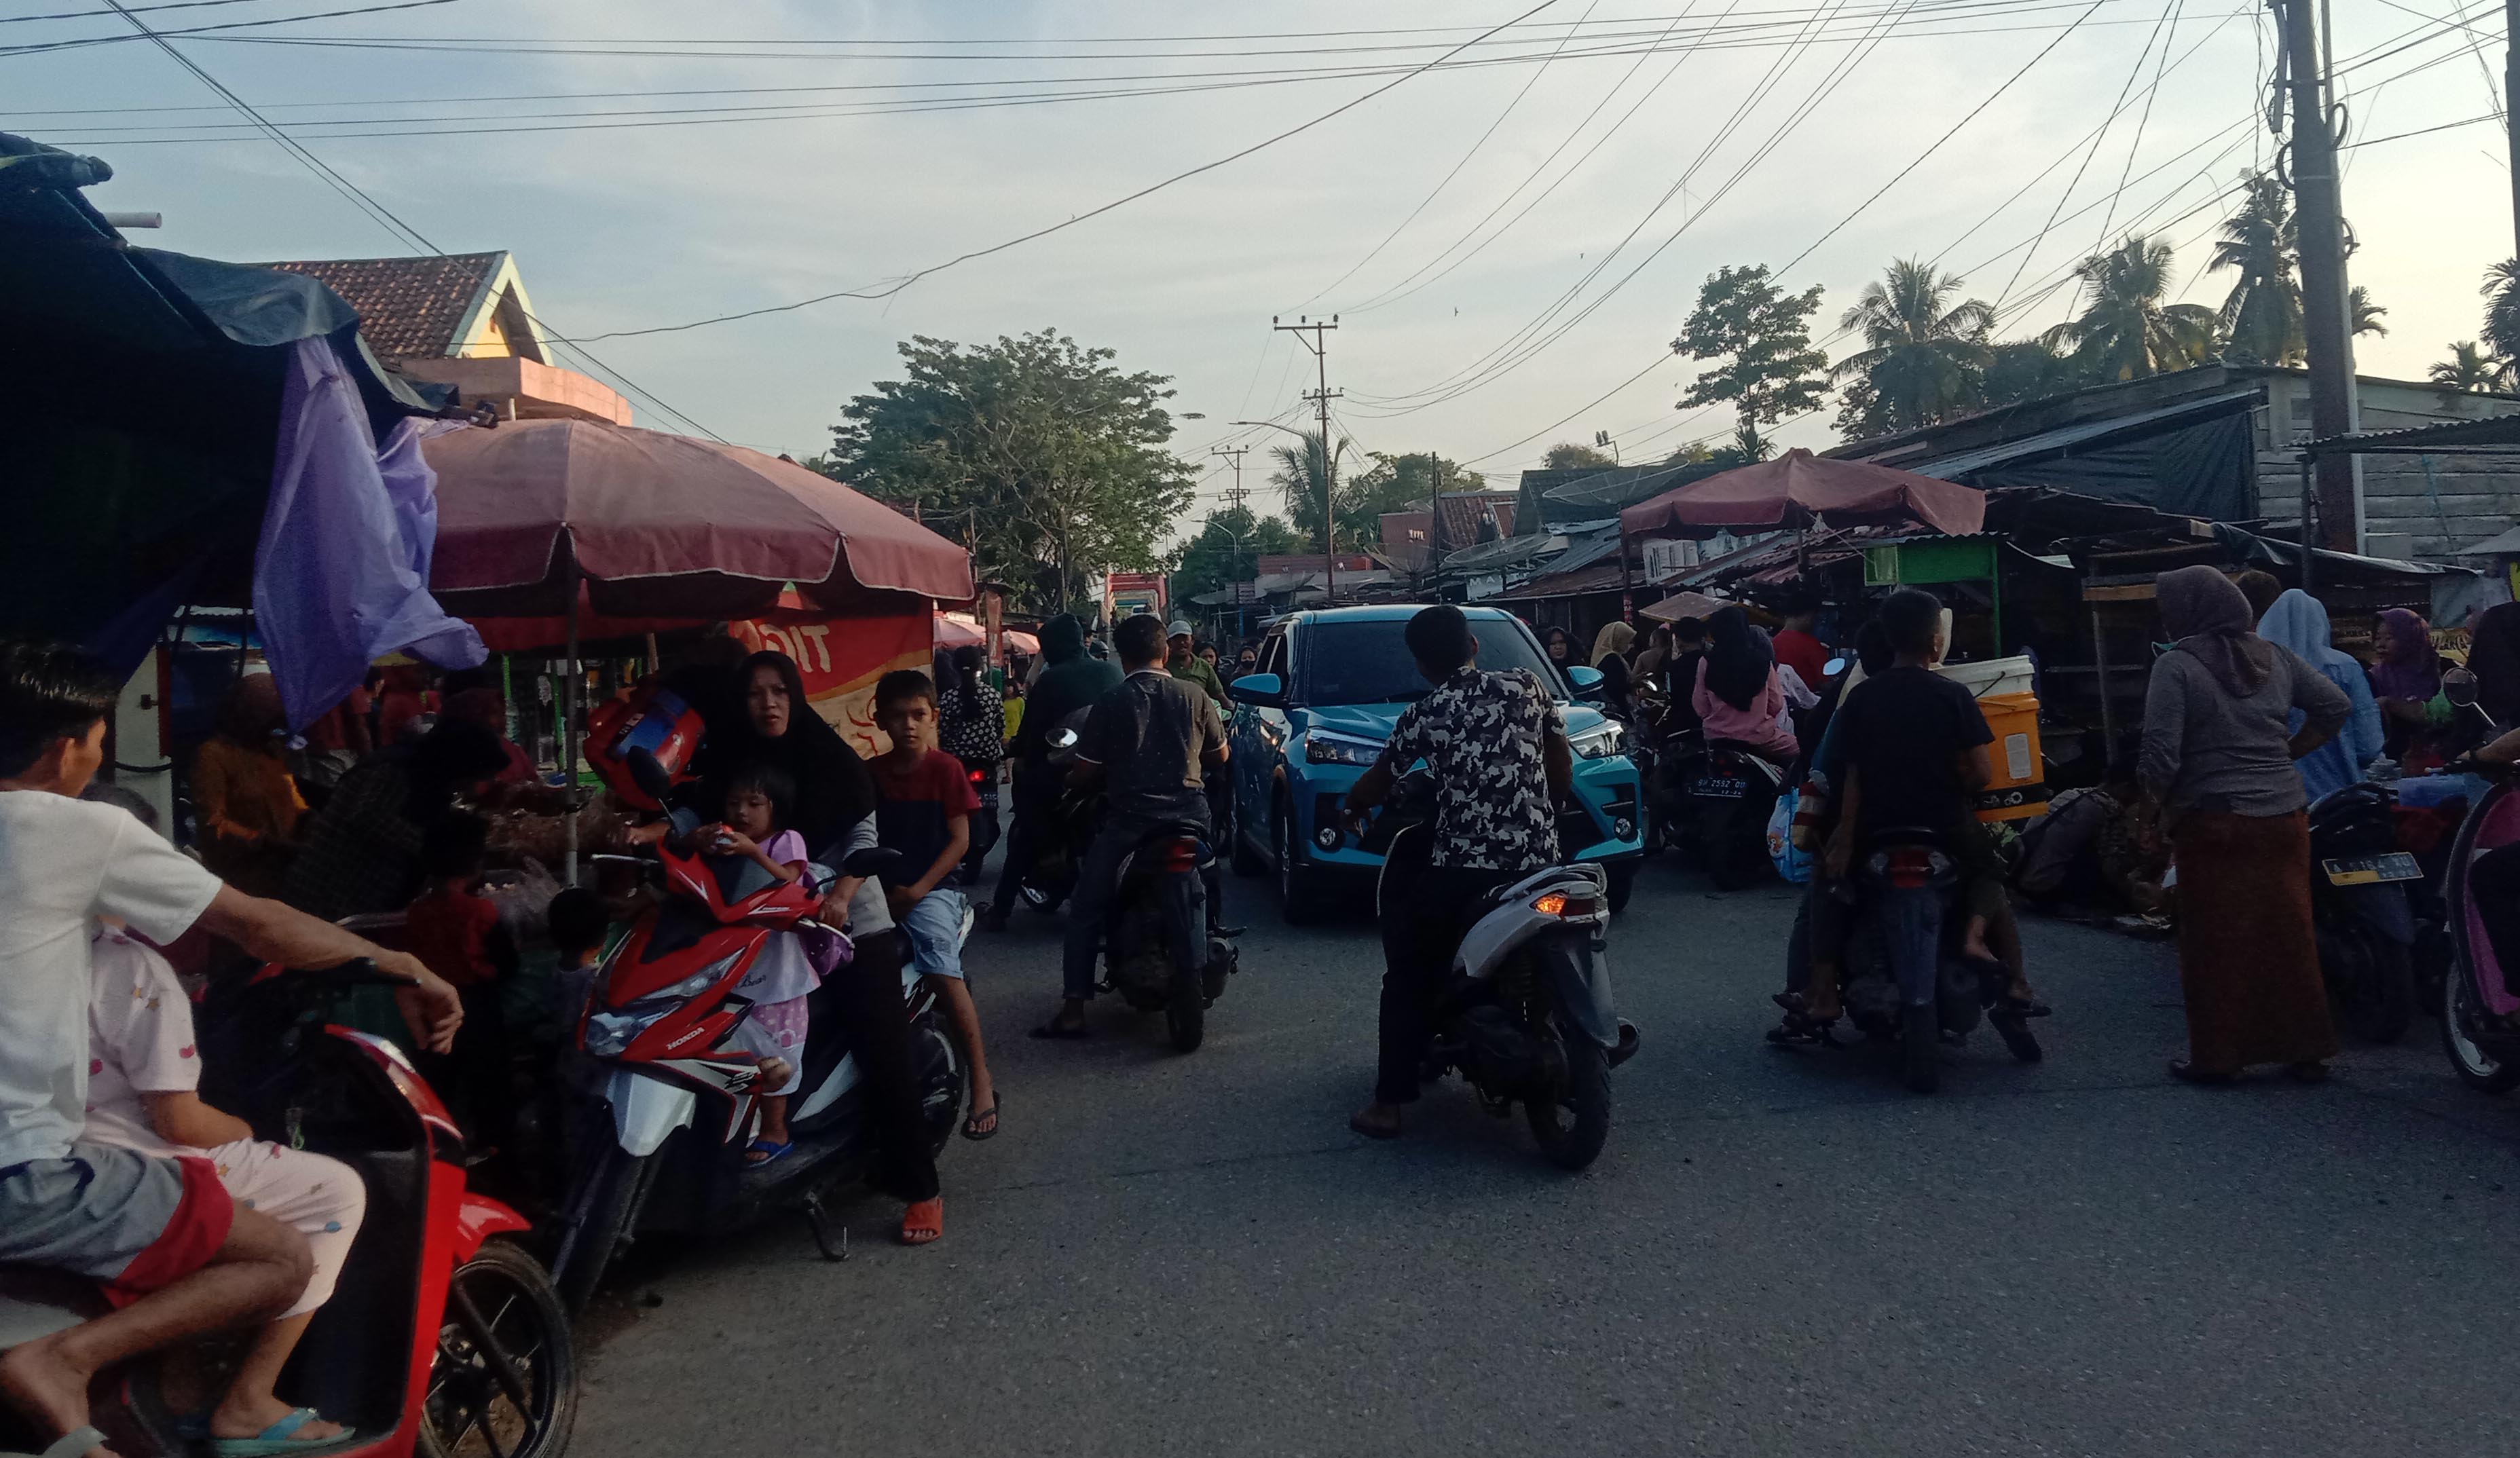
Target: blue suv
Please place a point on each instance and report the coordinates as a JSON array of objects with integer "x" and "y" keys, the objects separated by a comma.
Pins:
[{"x": 1328, "y": 690}]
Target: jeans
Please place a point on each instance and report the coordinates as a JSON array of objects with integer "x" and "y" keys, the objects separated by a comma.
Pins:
[
  {"x": 1425, "y": 918},
  {"x": 1036, "y": 797},
  {"x": 1088, "y": 907},
  {"x": 934, "y": 923}
]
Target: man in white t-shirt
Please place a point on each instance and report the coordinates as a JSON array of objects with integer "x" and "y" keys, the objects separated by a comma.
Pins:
[{"x": 176, "y": 1256}]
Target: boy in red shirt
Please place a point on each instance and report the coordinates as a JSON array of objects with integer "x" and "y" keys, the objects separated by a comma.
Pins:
[
  {"x": 923, "y": 806},
  {"x": 455, "y": 930}
]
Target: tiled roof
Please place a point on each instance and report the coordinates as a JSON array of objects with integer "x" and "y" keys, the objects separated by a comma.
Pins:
[{"x": 408, "y": 307}]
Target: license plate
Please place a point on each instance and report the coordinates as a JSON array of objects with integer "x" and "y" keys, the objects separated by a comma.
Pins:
[
  {"x": 1719, "y": 789},
  {"x": 2368, "y": 870}
]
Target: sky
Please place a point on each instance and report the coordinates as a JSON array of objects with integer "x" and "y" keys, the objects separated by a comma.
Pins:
[{"x": 1510, "y": 224}]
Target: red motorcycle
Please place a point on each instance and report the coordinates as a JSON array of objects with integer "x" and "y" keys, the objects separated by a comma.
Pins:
[
  {"x": 443, "y": 1337},
  {"x": 662, "y": 1112}
]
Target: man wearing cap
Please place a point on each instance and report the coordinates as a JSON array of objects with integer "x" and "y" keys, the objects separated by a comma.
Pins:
[{"x": 1183, "y": 662}]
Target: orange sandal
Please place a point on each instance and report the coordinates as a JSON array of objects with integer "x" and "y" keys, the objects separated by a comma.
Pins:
[{"x": 923, "y": 1221}]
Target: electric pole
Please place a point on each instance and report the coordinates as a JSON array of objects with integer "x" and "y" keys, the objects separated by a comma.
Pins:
[
  {"x": 2511, "y": 123},
  {"x": 1320, "y": 398},
  {"x": 2327, "y": 327},
  {"x": 1234, "y": 496},
  {"x": 1435, "y": 509}
]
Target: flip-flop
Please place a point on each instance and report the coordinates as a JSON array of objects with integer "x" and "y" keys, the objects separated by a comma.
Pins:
[
  {"x": 923, "y": 1221},
  {"x": 277, "y": 1440},
  {"x": 990, "y": 1114},
  {"x": 770, "y": 1150}
]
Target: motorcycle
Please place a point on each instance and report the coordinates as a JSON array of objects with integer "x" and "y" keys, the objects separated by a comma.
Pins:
[
  {"x": 662, "y": 1113},
  {"x": 443, "y": 1333},
  {"x": 1907, "y": 889},
  {"x": 1527, "y": 1016},
  {"x": 1158, "y": 952},
  {"x": 2360, "y": 904},
  {"x": 1725, "y": 793},
  {"x": 2481, "y": 996}
]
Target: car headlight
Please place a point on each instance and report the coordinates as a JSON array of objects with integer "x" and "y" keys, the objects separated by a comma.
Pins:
[
  {"x": 1602, "y": 742},
  {"x": 1321, "y": 748}
]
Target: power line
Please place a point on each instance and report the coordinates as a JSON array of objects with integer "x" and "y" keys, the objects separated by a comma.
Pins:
[{"x": 71, "y": 45}]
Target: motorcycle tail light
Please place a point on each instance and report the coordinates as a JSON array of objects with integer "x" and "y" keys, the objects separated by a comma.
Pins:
[
  {"x": 1908, "y": 867},
  {"x": 1181, "y": 855},
  {"x": 1572, "y": 908}
]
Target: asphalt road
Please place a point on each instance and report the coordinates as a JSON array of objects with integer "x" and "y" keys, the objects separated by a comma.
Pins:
[{"x": 1778, "y": 1254}]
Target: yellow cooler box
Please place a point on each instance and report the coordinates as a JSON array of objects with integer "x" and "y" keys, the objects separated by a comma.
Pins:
[{"x": 2002, "y": 687}]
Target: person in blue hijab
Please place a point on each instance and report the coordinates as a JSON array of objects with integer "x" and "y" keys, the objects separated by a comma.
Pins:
[{"x": 2298, "y": 621}]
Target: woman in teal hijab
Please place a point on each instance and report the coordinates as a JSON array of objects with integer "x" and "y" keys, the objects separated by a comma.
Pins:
[{"x": 2299, "y": 620}]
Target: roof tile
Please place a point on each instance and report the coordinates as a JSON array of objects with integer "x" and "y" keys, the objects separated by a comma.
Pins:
[{"x": 408, "y": 307}]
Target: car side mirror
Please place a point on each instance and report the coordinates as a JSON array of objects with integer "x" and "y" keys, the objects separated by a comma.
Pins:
[
  {"x": 1587, "y": 682},
  {"x": 1260, "y": 690},
  {"x": 2458, "y": 685}
]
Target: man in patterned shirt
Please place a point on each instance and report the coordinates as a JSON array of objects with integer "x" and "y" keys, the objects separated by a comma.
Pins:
[{"x": 1497, "y": 744}]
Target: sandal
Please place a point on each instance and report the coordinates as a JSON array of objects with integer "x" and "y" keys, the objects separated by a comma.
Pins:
[
  {"x": 923, "y": 1221},
  {"x": 281, "y": 1438},
  {"x": 770, "y": 1150},
  {"x": 972, "y": 1130}
]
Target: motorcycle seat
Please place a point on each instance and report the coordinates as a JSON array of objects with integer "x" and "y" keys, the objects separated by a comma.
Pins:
[{"x": 1905, "y": 835}]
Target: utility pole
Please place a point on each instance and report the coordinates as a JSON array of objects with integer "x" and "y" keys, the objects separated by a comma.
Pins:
[
  {"x": 2326, "y": 317},
  {"x": 1235, "y": 497},
  {"x": 1321, "y": 399},
  {"x": 2511, "y": 121},
  {"x": 1435, "y": 507}
]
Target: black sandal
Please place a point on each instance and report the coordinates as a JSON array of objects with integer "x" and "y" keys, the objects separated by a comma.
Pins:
[
  {"x": 972, "y": 1130},
  {"x": 1052, "y": 1028}
]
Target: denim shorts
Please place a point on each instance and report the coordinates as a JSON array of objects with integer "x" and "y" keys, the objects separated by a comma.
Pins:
[
  {"x": 131, "y": 1221},
  {"x": 936, "y": 928}
]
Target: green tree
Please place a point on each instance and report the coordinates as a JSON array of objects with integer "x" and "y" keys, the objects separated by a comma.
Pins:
[
  {"x": 1052, "y": 455},
  {"x": 1228, "y": 550},
  {"x": 2261, "y": 317},
  {"x": 2019, "y": 369},
  {"x": 1396, "y": 484},
  {"x": 2502, "y": 290},
  {"x": 2471, "y": 369},
  {"x": 1763, "y": 337},
  {"x": 2125, "y": 332},
  {"x": 1925, "y": 351},
  {"x": 2364, "y": 313},
  {"x": 1566, "y": 455}
]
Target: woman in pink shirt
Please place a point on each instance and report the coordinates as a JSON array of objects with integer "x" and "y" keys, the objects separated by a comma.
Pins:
[{"x": 1737, "y": 695}]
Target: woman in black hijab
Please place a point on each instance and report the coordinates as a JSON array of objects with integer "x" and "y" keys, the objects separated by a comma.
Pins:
[
  {"x": 1738, "y": 658},
  {"x": 773, "y": 726}
]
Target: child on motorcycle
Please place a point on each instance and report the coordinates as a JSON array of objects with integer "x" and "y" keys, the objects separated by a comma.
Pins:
[
  {"x": 924, "y": 807},
  {"x": 753, "y": 839},
  {"x": 142, "y": 1076}
]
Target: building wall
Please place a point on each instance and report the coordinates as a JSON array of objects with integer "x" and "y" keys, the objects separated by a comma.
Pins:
[{"x": 2414, "y": 506}]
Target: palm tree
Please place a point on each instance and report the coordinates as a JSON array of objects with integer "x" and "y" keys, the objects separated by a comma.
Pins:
[
  {"x": 1301, "y": 474},
  {"x": 2019, "y": 369},
  {"x": 1925, "y": 353},
  {"x": 2261, "y": 318},
  {"x": 2469, "y": 368},
  {"x": 2501, "y": 292},
  {"x": 2126, "y": 332},
  {"x": 2364, "y": 313}
]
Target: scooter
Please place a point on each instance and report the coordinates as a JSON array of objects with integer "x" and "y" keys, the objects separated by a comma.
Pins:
[
  {"x": 2360, "y": 905},
  {"x": 1729, "y": 790},
  {"x": 663, "y": 1113},
  {"x": 1157, "y": 950},
  {"x": 443, "y": 1334},
  {"x": 1902, "y": 977},
  {"x": 2481, "y": 996},
  {"x": 1527, "y": 1016}
]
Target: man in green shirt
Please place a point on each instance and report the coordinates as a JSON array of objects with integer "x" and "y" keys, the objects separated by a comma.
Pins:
[{"x": 1184, "y": 662}]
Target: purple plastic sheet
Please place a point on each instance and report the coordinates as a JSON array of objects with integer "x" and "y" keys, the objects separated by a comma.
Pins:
[{"x": 340, "y": 577}]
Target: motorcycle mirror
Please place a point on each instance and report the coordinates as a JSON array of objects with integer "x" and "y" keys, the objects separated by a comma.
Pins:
[
  {"x": 2458, "y": 685},
  {"x": 649, "y": 776}
]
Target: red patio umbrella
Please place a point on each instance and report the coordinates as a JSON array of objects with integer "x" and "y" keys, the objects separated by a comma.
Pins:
[
  {"x": 659, "y": 526},
  {"x": 1798, "y": 490}
]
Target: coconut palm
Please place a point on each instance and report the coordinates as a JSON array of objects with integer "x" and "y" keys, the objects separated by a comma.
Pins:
[
  {"x": 1300, "y": 474},
  {"x": 2501, "y": 292},
  {"x": 2261, "y": 317},
  {"x": 2019, "y": 369},
  {"x": 2125, "y": 332},
  {"x": 2364, "y": 313},
  {"x": 2469, "y": 368},
  {"x": 1925, "y": 353}
]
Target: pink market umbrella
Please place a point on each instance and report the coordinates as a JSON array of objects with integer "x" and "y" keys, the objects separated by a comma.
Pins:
[
  {"x": 1799, "y": 490},
  {"x": 659, "y": 525}
]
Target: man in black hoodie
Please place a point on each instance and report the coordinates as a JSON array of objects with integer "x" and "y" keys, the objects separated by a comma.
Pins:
[{"x": 1069, "y": 681}]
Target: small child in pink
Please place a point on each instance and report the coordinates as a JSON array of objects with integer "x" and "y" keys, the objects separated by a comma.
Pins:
[{"x": 781, "y": 976}]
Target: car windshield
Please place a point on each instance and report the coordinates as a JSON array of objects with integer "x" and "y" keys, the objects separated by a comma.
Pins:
[{"x": 1368, "y": 662}]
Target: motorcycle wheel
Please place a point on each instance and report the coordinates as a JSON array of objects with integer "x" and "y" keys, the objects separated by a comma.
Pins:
[
  {"x": 1623, "y": 885},
  {"x": 501, "y": 1312},
  {"x": 944, "y": 1082},
  {"x": 2476, "y": 1067},
  {"x": 1186, "y": 1014},
  {"x": 1298, "y": 900},
  {"x": 620, "y": 1183},
  {"x": 1572, "y": 1126},
  {"x": 2375, "y": 979}
]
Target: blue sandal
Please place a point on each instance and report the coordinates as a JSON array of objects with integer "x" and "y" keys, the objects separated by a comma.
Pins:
[
  {"x": 280, "y": 1439},
  {"x": 770, "y": 1152}
]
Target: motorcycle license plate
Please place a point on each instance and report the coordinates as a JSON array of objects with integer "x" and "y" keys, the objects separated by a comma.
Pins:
[
  {"x": 1714, "y": 787},
  {"x": 2370, "y": 871}
]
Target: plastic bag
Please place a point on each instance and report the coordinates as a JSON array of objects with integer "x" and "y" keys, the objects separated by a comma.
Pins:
[{"x": 1793, "y": 862}]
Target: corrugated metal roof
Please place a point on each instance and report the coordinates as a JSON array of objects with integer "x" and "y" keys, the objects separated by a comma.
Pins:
[
  {"x": 2065, "y": 438},
  {"x": 2494, "y": 430}
]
